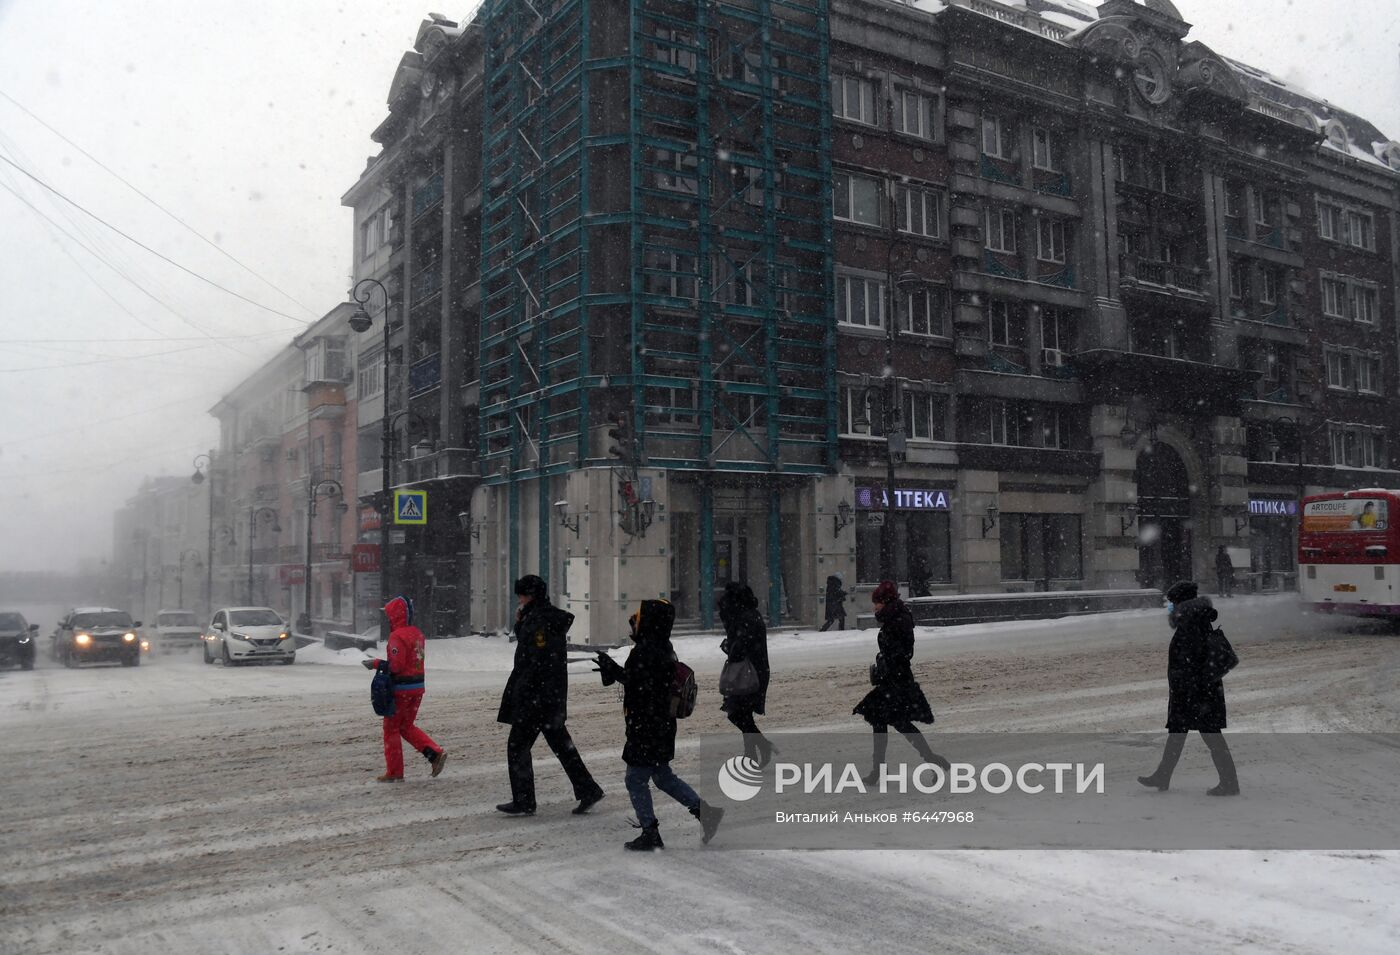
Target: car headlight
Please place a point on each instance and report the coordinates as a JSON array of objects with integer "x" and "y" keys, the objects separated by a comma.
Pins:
[
  {"x": 82, "y": 639},
  {"x": 129, "y": 637},
  {"x": 283, "y": 635},
  {"x": 145, "y": 644},
  {"x": 23, "y": 640}
]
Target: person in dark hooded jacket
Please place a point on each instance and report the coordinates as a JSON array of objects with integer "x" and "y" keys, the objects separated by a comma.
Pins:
[
  {"x": 835, "y": 603},
  {"x": 746, "y": 638},
  {"x": 896, "y": 699},
  {"x": 647, "y": 680},
  {"x": 1196, "y": 694},
  {"x": 536, "y": 698},
  {"x": 406, "y": 671}
]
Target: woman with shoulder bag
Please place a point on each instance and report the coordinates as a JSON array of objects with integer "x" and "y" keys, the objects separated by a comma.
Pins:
[
  {"x": 896, "y": 699},
  {"x": 744, "y": 680}
]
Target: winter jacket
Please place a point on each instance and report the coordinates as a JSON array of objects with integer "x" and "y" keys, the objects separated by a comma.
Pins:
[
  {"x": 405, "y": 649},
  {"x": 537, "y": 692},
  {"x": 835, "y": 597},
  {"x": 920, "y": 577},
  {"x": 647, "y": 678},
  {"x": 746, "y": 638},
  {"x": 1196, "y": 697},
  {"x": 1223, "y": 564},
  {"x": 897, "y": 696}
]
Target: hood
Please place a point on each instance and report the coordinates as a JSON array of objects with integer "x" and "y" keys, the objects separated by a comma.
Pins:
[
  {"x": 654, "y": 621},
  {"x": 736, "y": 597},
  {"x": 1198, "y": 611},
  {"x": 833, "y": 583},
  {"x": 533, "y": 587},
  {"x": 399, "y": 611}
]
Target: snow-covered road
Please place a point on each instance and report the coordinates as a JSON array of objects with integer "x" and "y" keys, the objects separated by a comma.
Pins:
[{"x": 188, "y": 808}]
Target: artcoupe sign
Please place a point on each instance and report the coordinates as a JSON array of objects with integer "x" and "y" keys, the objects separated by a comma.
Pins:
[
  {"x": 905, "y": 499},
  {"x": 1260, "y": 508}
]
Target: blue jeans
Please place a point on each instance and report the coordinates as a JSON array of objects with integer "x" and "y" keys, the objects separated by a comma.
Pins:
[{"x": 638, "y": 780}]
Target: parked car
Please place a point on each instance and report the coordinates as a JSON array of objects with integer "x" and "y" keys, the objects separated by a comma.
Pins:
[
  {"x": 17, "y": 637},
  {"x": 241, "y": 634},
  {"x": 93, "y": 634},
  {"x": 176, "y": 630}
]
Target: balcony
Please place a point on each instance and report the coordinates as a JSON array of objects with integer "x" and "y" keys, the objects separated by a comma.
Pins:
[
  {"x": 425, "y": 374},
  {"x": 997, "y": 170},
  {"x": 1000, "y": 265},
  {"x": 428, "y": 195},
  {"x": 1054, "y": 183},
  {"x": 1161, "y": 277},
  {"x": 427, "y": 283}
]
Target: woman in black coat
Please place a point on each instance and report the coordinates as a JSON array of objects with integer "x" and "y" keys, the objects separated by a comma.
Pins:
[
  {"x": 1196, "y": 692},
  {"x": 647, "y": 679},
  {"x": 746, "y": 638},
  {"x": 835, "y": 603},
  {"x": 896, "y": 698}
]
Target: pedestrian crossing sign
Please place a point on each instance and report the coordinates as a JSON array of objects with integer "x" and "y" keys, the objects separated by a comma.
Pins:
[{"x": 411, "y": 507}]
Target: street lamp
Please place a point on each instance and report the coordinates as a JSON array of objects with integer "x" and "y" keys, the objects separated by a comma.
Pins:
[
  {"x": 200, "y": 462},
  {"x": 253, "y": 514},
  {"x": 360, "y": 323},
  {"x": 332, "y": 488}
]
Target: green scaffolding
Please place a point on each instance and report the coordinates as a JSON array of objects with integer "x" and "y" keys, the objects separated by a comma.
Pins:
[{"x": 727, "y": 301}]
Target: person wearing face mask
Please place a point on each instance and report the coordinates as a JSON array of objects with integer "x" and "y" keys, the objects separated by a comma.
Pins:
[{"x": 1196, "y": 692}]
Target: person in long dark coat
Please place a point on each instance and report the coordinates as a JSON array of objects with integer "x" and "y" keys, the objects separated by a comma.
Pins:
[
  {"x": 835, "y": 603},
  {"x": 896, "y": 699},
  {"x": 1224, "y": 573},
  {"x": 746, "y": 638},
  {"x": 536, "y": 698},
  {"x": 920, "y": 577},
  {"x": 1196, "y": 694},
  {"x": 647, "y": 679}
]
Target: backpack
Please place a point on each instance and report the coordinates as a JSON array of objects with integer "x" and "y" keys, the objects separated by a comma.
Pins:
[
  {"x": 381, "y": 692},
  {"x": 683, "y": 691},
  {"x": 1220, "y": 656}
]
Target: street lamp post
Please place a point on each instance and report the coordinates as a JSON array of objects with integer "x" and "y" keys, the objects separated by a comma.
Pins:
[
  {"x": 201, "y": 462},
  {"x": 1273, "y": 445},
  {"x": 313, "y": 490},
  {"x": 253, "y": 514},
  {"x": 360, "y": 323}
]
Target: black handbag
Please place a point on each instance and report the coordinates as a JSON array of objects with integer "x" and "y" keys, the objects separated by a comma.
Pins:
[
  {"x": 1220, "y": 656},
  {"x": 877, "y": 670},
  {"x": 739, "y": 678}
]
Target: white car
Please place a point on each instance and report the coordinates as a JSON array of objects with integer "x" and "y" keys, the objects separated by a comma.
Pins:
[
  {"x": 176, "y": 630},
  {"x": 239, "y": 634}
]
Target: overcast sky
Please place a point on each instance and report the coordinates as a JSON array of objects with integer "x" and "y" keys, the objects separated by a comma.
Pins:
[{"x": 248, "y": 120}]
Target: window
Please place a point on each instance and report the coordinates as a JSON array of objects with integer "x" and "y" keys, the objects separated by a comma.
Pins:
[
  {"x": 1234, "y": 200},
  {"x": 1004, "y": 423},
  {"x": 1364, "y": 301},
  {"x": 674, "y": 47},
  {"x": 919, "y": 210},
  {"x": 860, "y": 301},
  {"x": 1056, "y": 335},
  {"x": 1045, "y": 154},
  {"x": 855, "y": 198},
  {"x": 1368, "y": 374},
  {"x": 671, "y": 405},
  {"x": 1357, "y": 447},
  {"x": 923, "y": 416},
  {"x": 677, "y": 172},
  {"x": 1360, "y": 230},
  {"x": 672, "y": 274},
  {"x": 1050, "y": 240},
  {"x": 1266, "y": 209},
  {"x": 859, "y": 418},
  {"x": 1339, "y": 370},
  {"x": 1334, "y": 297},
  {"x": 1239, "y": 279},
  {"x": 853, "y": 98},
  {"x": 1003, "y": 324},
  {"x": 916, "y": 114},
  {"x": 733, "y": 282},
  {"x": 1055, "y": 428},
  {"x": 1041, "y": 547},
  {"x": 998, "y": 137},
  {"x": 1001, "y": 230},
  {"x": 1126, "y": 163},
  {"x": 1329, "y": 221},
  {"x": 376, "y": 231},
  {"x": 1268, "y": 286},
  {"x": 925, "y": 312}
]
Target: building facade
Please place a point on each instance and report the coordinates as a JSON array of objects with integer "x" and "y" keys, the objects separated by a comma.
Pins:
[
  {"x": 160, "y": 547},
  {"x": 659, "y": 296}
]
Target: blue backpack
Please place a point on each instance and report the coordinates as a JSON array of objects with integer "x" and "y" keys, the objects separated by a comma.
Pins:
[{"x": 381, "y": 691}]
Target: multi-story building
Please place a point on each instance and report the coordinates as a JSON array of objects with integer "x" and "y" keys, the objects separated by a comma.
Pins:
[
  {"x": 284, "y": 502},
  {"x": 160, "y": 544},
  {"x": 668, "y": 261}
]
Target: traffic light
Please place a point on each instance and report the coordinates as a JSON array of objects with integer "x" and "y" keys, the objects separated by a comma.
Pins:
[{"x": 620, "y": 437}]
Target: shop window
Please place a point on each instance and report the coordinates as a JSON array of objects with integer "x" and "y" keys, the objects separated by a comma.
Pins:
[
  {"x": 925, "y": 535},
  {"x": 1041, "y": 547}
]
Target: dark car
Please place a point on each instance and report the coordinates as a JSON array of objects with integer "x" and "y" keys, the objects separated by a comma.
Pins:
[
  {"x": 95, "y": 634},
  {"x": 17, "y": 638}
]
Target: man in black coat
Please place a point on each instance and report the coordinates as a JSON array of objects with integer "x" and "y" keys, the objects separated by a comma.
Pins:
[
  {"x": 835, "y": 603},
  {"x": 647, "y": 680},
  {"x": 536, "y": 698},
  {"x": 746, "y": 640},
  {"x": 1196, "y": 692},
  {"x": 1224, "y": 573}
]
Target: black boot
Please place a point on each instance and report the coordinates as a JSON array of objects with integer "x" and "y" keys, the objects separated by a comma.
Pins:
[
  {"x": 1161, "y": 777},
  {"x": 926, "y": 753},
  {"x": 709, "y": 817},
  {"x": 880, "y": 744},
  {"x": 1160, "y": 783},
  {"x": 588, "y": 801},
  {"x": 766, "y": 749},
  {"x": 1229, "y": 784},
  {"x": 649, "y": 839},
  {"x": 514, "y": 808}
]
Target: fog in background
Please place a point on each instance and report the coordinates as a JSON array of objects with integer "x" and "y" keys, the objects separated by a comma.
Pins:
[{"x": 248, "y": 121}]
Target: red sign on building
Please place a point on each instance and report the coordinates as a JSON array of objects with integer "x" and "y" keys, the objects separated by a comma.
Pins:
[
  {"x": 364, "y": 558},
  {"x": 370, "y": 519},
  {"x": 291, "y": 575}
]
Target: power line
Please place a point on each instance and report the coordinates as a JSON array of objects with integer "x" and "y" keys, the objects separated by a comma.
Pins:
[
  {"x": 92, "y": 423},
  {"x": 103, "y": 361},
  {"x": 139, "y": 243},
  {"x": 105, "y": 168}
]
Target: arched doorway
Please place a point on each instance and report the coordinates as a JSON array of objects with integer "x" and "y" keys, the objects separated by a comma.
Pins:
[{"x": 1164, "y": 517}]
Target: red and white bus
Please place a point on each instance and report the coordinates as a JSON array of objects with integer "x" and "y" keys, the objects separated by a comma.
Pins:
[{"x": 1349, "y": 553}]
